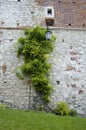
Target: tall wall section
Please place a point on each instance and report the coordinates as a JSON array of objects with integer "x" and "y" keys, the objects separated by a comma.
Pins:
[
  {"x": 68, "y": 72},
  {"x": 15, "y": 15}
]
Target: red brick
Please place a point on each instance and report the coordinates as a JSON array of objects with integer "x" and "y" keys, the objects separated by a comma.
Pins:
[
  {"x": 68, "y": 13},
  {"x": 73, "y": 53},
  {"x": 69, "y": 68}
]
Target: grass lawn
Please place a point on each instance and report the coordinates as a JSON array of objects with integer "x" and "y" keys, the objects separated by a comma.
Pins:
[{"x": 22, "y": 120}]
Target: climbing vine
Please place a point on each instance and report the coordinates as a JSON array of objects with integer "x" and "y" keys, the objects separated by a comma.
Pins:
[{"x": 35, "y": 50}]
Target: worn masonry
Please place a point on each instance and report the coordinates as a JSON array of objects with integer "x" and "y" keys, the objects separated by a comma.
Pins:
[{"x": 68, "y": 72}]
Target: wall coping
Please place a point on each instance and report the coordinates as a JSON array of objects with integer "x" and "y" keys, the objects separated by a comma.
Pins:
[
  {"x": 51, "y": 28},
  {"x": 62, "y": 28}
]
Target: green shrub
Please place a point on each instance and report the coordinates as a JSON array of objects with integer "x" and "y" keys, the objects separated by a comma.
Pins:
[
  {"x": 62, "y": 108},
  {"x": 73, "y": 112},
  {"x": 2, "y": 106},
  {"x": 35, "y": 50}
]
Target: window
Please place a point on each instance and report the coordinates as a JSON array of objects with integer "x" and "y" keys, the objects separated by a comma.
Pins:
[
  {"x": 49, "y": 16},
  {"x": 49, "y": 11}
]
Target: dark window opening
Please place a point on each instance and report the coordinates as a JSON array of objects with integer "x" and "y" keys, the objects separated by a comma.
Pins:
[
  {"x": 32, "y": 12},
  {"x": 74, "y": 2},
  {"x": 58, "y": 82},
  {"x": 49, "y": 11},
  {"x": 83, "y": 25},
  {"x": 69, "y": 24},
  {"x": 59, "y": 1},
  {"x": 5, "y": 82},
  {"x": 62, "y": 40},
  {"x": 18, "y": 24},
  {"x": 18, "y": 0}
]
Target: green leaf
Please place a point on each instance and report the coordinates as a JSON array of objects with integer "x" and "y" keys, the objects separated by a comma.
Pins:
[{"x": 35, "y": 50}]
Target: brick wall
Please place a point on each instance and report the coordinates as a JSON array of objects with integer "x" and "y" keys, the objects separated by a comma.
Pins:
[{"x": 68, "y": 13}]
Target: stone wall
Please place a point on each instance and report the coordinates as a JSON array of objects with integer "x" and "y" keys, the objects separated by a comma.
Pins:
[
  {"x": 20, "y": 14},
  {"x": 12, "y": 90},
  {"x": 68, "y": 73}
]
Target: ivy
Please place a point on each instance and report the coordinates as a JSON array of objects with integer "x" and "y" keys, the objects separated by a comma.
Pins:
[{"x": 35, "y": 50}]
